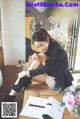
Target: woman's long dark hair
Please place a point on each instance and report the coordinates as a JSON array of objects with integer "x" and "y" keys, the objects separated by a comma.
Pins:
[{"x": 40, "y": 35}]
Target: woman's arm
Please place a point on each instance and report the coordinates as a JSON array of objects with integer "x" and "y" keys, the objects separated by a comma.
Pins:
[{"x": 55, "y": 59}]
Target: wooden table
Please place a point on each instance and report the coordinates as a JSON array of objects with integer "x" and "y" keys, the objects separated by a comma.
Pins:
[{"x": 41, "y": 90}]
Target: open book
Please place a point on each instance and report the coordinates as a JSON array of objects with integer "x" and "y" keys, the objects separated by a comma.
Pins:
[{"x": 41, "y": 108}]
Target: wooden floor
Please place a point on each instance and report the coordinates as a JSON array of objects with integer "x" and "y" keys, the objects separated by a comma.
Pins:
[{"x": 41, "y": 90}]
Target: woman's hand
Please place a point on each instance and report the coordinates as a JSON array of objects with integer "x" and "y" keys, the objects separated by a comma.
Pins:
[
  {"x": 35, "y": 56},
  {"x": 23, "y": 73}
]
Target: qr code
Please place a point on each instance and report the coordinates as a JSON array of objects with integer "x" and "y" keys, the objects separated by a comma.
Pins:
[{"x": 9, "y": 109}]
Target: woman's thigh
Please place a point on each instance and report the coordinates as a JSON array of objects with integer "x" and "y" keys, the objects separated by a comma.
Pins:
[
  {"x": 44, "y": 78},
  {"x": 50, "y": 81},
  {"x": 39, "y": 78}
]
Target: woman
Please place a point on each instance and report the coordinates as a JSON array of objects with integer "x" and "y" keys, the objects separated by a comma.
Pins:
[{"x": 47, "y": 67}]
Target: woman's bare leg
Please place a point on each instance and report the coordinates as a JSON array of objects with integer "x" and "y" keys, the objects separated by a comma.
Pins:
[
  {"x": 42, "y": 59},
  {"x": 43, "y": 78},
  {"x": 35, "y": 64},
  {"x": 12, "y": 92}
]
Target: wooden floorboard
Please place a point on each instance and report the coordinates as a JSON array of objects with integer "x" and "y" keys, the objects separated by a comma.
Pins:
[{"x": 41, "y": 90}]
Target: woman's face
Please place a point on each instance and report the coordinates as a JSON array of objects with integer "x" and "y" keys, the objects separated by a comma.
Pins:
[{"x": 42, "y": 45}]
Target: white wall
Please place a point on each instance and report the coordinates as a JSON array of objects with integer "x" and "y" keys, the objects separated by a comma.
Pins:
[{"x": 13, "y": 30}]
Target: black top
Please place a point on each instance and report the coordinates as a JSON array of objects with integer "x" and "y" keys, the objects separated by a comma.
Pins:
[{"x": 56, "y": 65}]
